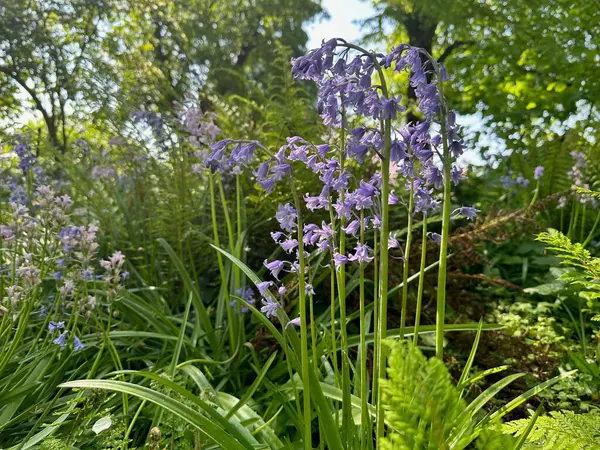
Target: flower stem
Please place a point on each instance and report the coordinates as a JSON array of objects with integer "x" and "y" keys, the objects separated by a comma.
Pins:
[
  {"x": 441, "y": 286},
  {"x": 421, "y": 282},
  {"x": 405, "y": 266},
  {"x": 364, "y": 435},
  {"x": 303, "y": 324}
]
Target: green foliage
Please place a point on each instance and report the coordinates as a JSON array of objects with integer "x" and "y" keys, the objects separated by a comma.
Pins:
[
  {"x": 560, "y": 430},
  {"x": 422, "y": 404},
  {"x": 575, "y": 255}
]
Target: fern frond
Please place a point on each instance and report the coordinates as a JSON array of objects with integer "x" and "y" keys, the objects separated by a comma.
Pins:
[{"x": 560, "y": 430}]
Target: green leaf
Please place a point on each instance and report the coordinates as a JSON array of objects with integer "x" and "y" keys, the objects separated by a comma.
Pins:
[{"x": 207, "y": 427}]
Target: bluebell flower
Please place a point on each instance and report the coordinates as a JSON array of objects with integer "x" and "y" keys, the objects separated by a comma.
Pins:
[
  {"x": 77, "y": 345},
  {"x": 435, "y": 237},
  {"x": 275, "y": 267},
  {"x": 53, "y": 326},
  {"x": 296, "y": 322},
  {"x": 61, "y": 339},
  {"x": 286, "y": 216},
  {"x": 469, "y": 212},
  {"x": 538, "y": 172},
  {"x": 289, "y": 244},
  {"x": 269, "y": 307},
  {"x": 263, "y": 286},
  {"x": 361, "y": 254}
]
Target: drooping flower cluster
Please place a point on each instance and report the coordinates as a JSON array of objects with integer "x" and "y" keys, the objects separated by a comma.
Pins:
[{"x": 344, "y": 76}]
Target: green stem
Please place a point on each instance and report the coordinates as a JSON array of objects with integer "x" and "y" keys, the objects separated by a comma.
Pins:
[
  {"x": 405, "y": 266},
  {"x": 593, "y": 231},
  {"x": 303, "y": 324},
  {"x": 213, "y": 210},
  {"x": 364, "y": 435},
  {"x": 421, "y": 282},
  {"x": 441, "y": 285},
  {"x": 341, "y": 282}
]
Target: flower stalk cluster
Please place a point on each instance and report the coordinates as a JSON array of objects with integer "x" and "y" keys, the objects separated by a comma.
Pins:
[{"x": 355, "y": 102}]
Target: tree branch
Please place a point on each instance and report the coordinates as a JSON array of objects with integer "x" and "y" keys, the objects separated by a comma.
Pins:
[{"x": 448, "y": 50}]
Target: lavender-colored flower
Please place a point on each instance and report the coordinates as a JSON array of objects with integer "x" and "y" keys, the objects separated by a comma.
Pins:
[
  {"x": 263, "y": 286},
  {"x": 281, "y": 290},
  {"x": 77, "y": 345},
  {"x": 275, "y": 267},
  {"x": 286, "y": 216},
  {"x": 435, "y": 237},
  {"x": 269, "y": 307},
  {"x": 61, "y": 339},
  {"x": 289, "y": 244},
  {"x": 393, "y": 242},
  {"x": 456, "y": 175},
  {"x": 309, "y": 289},
  {"x": 339, "y": 259},
  {"x": 247, "y": 295},
  {"x": 538, "y": 172},
  {"x": 469, "y": 212},
  {"x": 352, "y": 228},
  {"x": 296, "y": 322},
  {"x": 361, "y": 254},
  {"x": 53, "y": 326}
]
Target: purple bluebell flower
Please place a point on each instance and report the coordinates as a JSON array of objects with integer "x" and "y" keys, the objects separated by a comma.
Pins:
[
  {"x": 77, "y": 345},
  {"x": 352, "y": 228},
  {"x": 57, "y": 275},
  {"x": 263, "y": 286},
  {"x": 361, "y": 254},
  {"x": 456, "y": 175},
  {"x": 53, "y": 326},
  {"x": 286, "y": 216},
  {"x": 61, "y": 339},
  {"x": 393, "y": 242},
  {"x": 435, "y": 237},
  {"x": 538, "y": 173},
  {"x": 275, "y": 267},
  {"x": 262, "y": 171},
  {"x": 469, "y": 212},
  {"x": 276, "y": 235},
  {"x": 247, "y": 295},
  {"x": 339, "y": 259},
  {"x": 296, "y": 322},
  {"x": 270, "y": 307},
  {"x": 281, "y": 290},
  {"x": 317, "y": 202},
  {"x": 289, "y": 244}
]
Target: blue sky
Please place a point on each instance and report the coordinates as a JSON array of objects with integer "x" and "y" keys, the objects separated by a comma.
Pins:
[{"x": 343, "y": 15}]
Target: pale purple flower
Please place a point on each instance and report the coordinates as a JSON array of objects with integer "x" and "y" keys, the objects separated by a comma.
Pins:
[
  {"x": 393, "y": 242},
  {"x": 538, "y": 172},
  {"x": 53, "y": 326},
  {"x": 339, "y": 259},
  {"x": 286, "y": 216},
  {"x": 263, "y": 286},
  {"x": 352, "y": 228},
  {"x": 282, "y": 290},
  {"x": 289, "y": 244},
  {"x": 77, "y": 345},
  {"x": 469, "y": 212},
  {"x": 274, "y": 266},
  {"x": 295, "y": 322},
  {"x": 61, "y": 339},
  {"x": 270, "y": 307},
  {"x": 435, "y": 237},
  {"x": 361, "y": 254}
]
